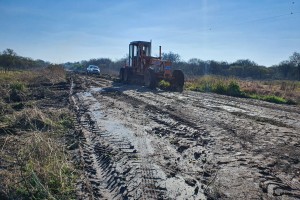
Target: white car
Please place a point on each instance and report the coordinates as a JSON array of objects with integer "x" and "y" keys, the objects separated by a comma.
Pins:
[{"x": 93, "y": 69}]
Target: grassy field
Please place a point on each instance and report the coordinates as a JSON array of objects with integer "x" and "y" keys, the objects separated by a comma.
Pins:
[
  {"x": 282, "y": 92},
  {"x": 34, "y": 163}
]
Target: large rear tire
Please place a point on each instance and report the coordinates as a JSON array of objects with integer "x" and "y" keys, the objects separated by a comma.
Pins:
[
  {"x": 127, "y": 75},
  {"x": 178, "y": 80},
  {"x": 121, "y": 74},
  {"x": 150, "y": 79}
]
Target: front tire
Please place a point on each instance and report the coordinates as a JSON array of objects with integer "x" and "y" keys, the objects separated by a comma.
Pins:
[{"x": 150, "y": 79}]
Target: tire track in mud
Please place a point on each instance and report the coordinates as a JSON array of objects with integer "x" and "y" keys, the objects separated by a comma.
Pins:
[
  {"x": 281, "y": 186},
  {"x": 233, "y": 101},
  {"x": 245, "y": 108},
  {"x": 270, "y": 182},
  {"x": 91, "y": 187},
  {"x": 184, "y": 133},
  {"x": 227, "y": 118},
  {"x": 178, "y": 127},
  {"x": 114, "y": 167}
]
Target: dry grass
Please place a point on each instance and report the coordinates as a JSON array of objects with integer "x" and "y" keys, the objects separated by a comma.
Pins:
[
  {"x": 42, "y": 120},
  {"x": 38, "y": 169},
  {"x": 35, "y": 119},
  {"x": 289, "y": 90},
  {"x": 274, "y": 91},
  {"x": 52, "y": 74},
  {"x": 33, "y": 161}
]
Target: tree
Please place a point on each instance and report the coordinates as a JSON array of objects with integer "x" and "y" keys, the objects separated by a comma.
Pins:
[
  {"x": 193, "y": 67},
  {"x": 173, "y": 57},
  {"x": 295, "y": 60},
  {"x": 10, "y": 52},
  {"x": 214, "y": 67},
  {"x": 236, "y": 70},
  {"x": 244, "y": 63},
  {"x": 285, "y": 68},
  {"x": 8, "y": 58},
  {"x": 195, "y": 61}
]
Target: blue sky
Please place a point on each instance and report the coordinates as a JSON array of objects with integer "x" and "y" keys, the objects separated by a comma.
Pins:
[{"x": 264, "y": 31}]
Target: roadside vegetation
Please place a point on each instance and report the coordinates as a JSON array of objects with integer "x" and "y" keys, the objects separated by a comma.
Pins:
[
  {"x": 242, "y": 78},
  {"x": 34, "y": 119},
  {"x": 281, "y": 92}
]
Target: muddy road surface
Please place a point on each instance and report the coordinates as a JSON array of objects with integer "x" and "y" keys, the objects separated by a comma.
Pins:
[{"x": 136, "y": 143}]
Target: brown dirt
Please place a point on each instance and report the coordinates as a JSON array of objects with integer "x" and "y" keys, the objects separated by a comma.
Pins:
[{"x": 135, "y": 143}]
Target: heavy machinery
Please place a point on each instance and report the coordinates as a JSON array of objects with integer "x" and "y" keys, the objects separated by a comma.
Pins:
[{"x": 141, "y": 67}]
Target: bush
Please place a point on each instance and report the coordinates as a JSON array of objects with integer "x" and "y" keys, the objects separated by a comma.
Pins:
[
  {"x": 164, "y": 84},
  {"x": 220, "y": 88},
  {"x": 233, "y": 89}
]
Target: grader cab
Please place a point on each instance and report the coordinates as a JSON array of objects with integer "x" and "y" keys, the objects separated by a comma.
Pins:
[{"x": 141, "y": 67}]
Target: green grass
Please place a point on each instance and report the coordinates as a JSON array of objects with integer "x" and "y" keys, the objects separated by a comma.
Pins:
[{"x": 272, "y": 99}]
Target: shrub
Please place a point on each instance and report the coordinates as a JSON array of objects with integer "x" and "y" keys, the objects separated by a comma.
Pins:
[
  {"x": 164, "y": 84},
  {"x": 220, "y": 88},
  {"x": 233, "y": 89}
]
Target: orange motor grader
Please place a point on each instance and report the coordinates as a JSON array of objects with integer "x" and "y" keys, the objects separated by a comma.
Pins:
[{"x": 143, "y": 68}]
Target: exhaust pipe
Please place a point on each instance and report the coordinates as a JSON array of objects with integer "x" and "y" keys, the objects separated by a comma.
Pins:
[{"x": 159, "y": 52}]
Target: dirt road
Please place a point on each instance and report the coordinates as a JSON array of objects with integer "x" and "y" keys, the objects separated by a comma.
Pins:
[{"x": 136, "y": 143}]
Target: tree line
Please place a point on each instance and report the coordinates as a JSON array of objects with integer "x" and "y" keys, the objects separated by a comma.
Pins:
[
  {"x": 243, "y": 68},
  {"x": 10, "y": 60}
]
